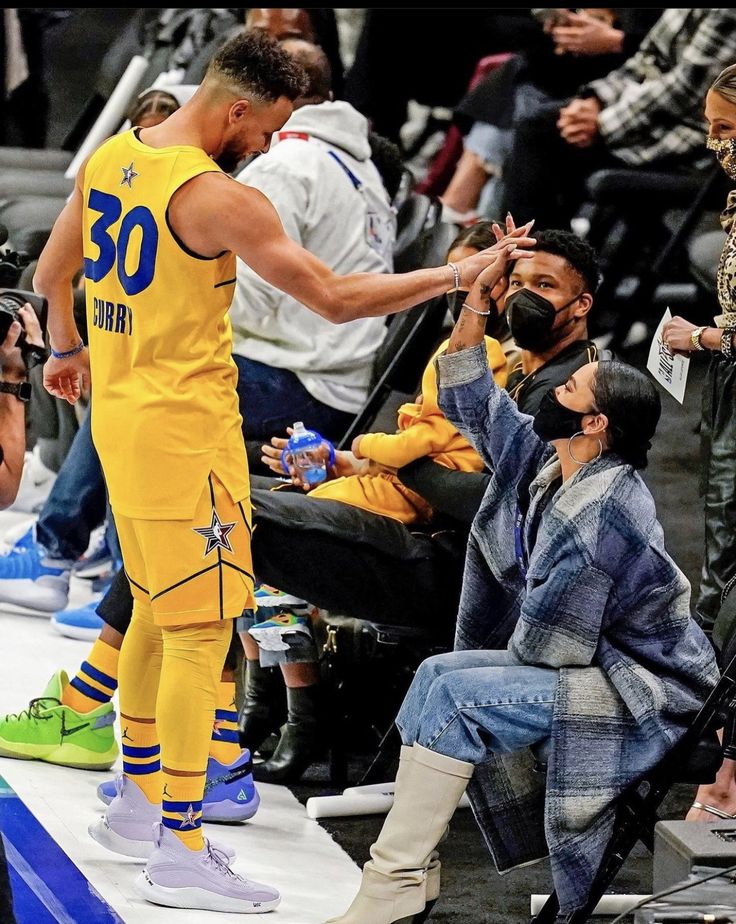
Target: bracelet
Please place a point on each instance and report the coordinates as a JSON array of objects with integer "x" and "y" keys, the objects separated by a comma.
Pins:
[
  {"x": 77, "y": 349},
  {"x": 727, "y": 343},
  {"x": 455, "y": 275},
  {"x": 481, "y": 314}
]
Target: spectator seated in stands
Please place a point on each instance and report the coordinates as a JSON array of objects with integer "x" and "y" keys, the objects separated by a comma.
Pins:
[
  {"x": 573, "y": 49},
  {"x": 318, "y": 173},
  {"x": 573, "y": 619},
  {"x": 647, "y": 113}
]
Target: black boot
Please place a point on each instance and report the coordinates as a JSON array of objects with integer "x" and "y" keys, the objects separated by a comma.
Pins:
[
  {"x": 301, "y": 738},
  {"x": 264, "y": 708}
]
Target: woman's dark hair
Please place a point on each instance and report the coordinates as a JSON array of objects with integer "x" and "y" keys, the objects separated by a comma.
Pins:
[
  {"x": 579, "y": 254},
  {"x": 632, "y": 405},
  {"x": 152, "y": 102},
  {"x": 480, "y": 236}
]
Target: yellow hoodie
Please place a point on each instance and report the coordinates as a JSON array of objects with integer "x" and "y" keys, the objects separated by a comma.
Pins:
[{"x": 423, "y": 431}]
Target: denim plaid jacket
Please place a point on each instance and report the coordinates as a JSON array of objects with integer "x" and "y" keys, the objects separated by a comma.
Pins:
[
  {"x": 653, "y": 103},
  {"x": 601, "y": 601}
]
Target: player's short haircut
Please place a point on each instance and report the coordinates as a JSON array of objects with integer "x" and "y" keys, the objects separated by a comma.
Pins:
[{"x": 252, "y": 64}]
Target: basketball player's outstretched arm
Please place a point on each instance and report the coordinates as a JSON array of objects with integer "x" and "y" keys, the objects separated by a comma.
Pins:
[
  {"x": 213, "y": 213},
  {"x": 59, "y": 263}
]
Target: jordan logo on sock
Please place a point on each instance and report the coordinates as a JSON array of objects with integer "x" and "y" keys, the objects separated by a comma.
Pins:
[{"x": 125, "y": 736}]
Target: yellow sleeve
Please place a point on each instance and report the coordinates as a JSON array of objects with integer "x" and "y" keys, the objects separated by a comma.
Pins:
[{"x": 431, "y": 434}]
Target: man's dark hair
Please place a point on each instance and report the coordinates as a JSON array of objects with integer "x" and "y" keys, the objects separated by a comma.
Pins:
[
  {"x": 254, "y": 63},
  {"x": 632, "y": 405},
  {"x": 389, "y": 162},
  {"x": 315, "y": 65},
  {"x": 580, "y": 255}
]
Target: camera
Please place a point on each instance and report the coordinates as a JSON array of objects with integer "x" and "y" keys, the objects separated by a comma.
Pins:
[
  {"x": 12, "y": 264},
  {"x": 11, "y": 301}
]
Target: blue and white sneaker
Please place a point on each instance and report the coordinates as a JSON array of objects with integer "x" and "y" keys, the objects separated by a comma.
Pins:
[
  {"x": 29, "y": 578},
  {"x": 271, "y": 596},
  {"x": 230, "y": 794},
  {"x": 97, "y": 560},
  {"x": 269, "y": 634},
  {"x": 82, "y": 622}
]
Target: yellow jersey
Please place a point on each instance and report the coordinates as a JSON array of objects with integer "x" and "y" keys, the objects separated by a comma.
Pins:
[{"x": 164, "y": 402}]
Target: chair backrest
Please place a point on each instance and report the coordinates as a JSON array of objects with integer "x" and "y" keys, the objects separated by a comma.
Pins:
[{"x": 401, "y": 360}]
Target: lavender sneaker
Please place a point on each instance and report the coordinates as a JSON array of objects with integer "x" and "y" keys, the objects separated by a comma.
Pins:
[
  {"x": 229, "y": 794},
  {"x": 126, "y": 826},
  {"x": 181, "y": 878}
]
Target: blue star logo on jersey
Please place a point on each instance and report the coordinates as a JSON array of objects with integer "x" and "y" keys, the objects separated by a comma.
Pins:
[
  {"x": 216, "y": 534},
  {"x": 129, "y": 175}
]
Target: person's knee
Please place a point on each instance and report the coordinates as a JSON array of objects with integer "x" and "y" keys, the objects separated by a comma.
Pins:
[{"x": 435, "y": 666}]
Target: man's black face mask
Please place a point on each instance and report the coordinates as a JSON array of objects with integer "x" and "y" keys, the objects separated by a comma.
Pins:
[{"x": 531, "y": 319}]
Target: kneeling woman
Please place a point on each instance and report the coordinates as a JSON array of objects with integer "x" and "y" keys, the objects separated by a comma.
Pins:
[{"x": 583, "y": 622}]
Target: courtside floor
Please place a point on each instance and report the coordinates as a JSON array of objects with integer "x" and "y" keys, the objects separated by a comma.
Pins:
[{"x": 61, "y": 875}]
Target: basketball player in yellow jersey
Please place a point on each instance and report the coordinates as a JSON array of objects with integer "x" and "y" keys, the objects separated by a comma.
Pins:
[{"x": 157, "y": 224}]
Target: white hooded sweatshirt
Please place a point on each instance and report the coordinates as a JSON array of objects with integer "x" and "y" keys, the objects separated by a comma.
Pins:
[{"x": 339, "y": 210}]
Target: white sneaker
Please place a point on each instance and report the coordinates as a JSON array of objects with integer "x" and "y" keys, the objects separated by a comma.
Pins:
[
  {"x": 35, "y": 484},
  {"x": 29, "y": 578},
  {"x": 178, "y": 877}
]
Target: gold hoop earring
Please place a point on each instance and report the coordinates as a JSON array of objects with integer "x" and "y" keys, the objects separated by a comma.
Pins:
[{"x": 578, "y": 461}]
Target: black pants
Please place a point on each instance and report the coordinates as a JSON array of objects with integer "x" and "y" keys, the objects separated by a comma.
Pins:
[
  {"x": 344, "y": 560},
  {"x": 718, "y": 485}
]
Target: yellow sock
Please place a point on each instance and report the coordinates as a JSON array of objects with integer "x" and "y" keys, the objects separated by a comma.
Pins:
[
  {"x": 225, "y": 743},
  {"x": 142, "y": 756},
  {"x": 140, "y": 667},
  {"x": 182, "y": 807},
  {"x": 193, "y": 657},
  {"x": 96, "y": 679}
]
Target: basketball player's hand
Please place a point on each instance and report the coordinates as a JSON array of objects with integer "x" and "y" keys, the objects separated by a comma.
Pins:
[
  {"x": 67, "y": 378},
  {"x": 471, "y": 267}
]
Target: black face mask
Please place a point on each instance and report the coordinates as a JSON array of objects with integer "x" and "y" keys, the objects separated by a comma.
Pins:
[
  {"x": 455, "y": 301},
  {"x": 531, "y": 319},
  {"x": 554, "y": 421}
]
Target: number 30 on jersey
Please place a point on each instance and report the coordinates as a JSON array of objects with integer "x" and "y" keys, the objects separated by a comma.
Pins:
[{"x": 115, "y": 252}]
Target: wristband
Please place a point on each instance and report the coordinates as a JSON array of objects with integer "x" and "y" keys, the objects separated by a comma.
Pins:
[
  {"x": 482, "y": 314},
  {"x": 77, "y": 349},
  {"x": 455, "y": 275}
]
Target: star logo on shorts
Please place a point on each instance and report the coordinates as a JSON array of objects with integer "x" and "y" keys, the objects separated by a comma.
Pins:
[
  {"x": 129, "y": 175},
  {"x": 216, "y": 534}
]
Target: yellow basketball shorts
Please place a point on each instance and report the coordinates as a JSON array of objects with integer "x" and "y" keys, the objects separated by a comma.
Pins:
[{"x": 191, "y": 571}]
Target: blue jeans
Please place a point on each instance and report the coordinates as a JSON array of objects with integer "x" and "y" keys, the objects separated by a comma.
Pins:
[
  {"x": 77, "y": 501},
  {"x": 467, "y": 703},
  {"x": 273, "y": 399}
]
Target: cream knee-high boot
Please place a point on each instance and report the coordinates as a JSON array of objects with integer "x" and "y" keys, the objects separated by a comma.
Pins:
[{"x": 429, "y": 786}]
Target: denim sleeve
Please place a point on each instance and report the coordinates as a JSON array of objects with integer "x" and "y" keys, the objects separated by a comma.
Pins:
[
  {"x": 561, "y": 618},
  {"x": 485, "y": 414}
]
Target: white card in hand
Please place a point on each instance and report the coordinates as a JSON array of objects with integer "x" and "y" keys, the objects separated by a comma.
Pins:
[{"x": 669, "y": 370}]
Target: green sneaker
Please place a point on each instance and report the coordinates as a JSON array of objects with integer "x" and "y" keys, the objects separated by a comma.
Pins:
[{"x": 50, "y": 731}]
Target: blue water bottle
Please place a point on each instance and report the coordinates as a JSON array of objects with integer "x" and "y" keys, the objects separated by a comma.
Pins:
[{"x": 309, "y": 454}]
